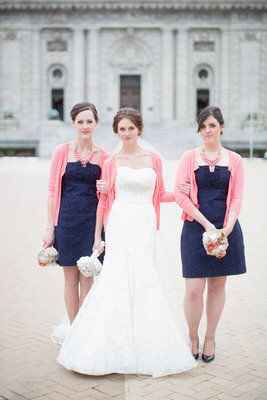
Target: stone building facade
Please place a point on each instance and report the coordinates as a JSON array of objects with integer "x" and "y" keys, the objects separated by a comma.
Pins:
[{"x": 167, "y": 58}]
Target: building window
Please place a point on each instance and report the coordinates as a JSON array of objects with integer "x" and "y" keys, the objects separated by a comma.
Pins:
[
  {"x": 203, "y": 99},
  {"x": 57, "y": 76},
  {"x": 203, "y": 74},
  {"x": 57, "y": 102},
  {"x": 130, "y": 91},
  {"x": 57, "y": 73}
]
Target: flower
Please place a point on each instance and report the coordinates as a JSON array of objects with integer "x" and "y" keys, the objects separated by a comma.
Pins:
[
  {"x": 91, "y": 266},
  {"x": 215, "y": 242},
  {"x": 47, "y": 256}
]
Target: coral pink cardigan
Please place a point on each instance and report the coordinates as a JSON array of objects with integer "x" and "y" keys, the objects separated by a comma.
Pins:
[
  {"x": 109, "y": 175},
  {"x": 185, "y": 174},
  {"x": 57, "y": 170}
]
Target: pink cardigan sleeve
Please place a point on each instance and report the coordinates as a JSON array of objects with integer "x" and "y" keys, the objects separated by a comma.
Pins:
[
  {"x": 164, "y": 196},
  {"x": 183, "y": 176},
  {"x": 103, "y": 158},
  {"x": 237, "y": 188},
  {"x": 103, "y": 197},
  {"x": 54, "y": 172}
]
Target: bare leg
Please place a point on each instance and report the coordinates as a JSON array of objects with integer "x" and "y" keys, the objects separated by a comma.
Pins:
[
  {"x": 193, "y": 307},
  {"x": 214, "y": 308},
  {"x": 85, "y": 286},
  {"x": 71, "y": 292}
]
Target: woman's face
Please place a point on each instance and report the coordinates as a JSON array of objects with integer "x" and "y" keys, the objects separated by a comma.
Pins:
[
  {"x": 85, "y": 124},
  {"x": 210, "y": 131},
  {"x": 128, "y": 131}
]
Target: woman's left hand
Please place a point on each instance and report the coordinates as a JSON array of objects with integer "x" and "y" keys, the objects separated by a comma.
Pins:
[
  {"x": 99, "y": 245},
  {"x": 184, "y": 188},
  {"x": 101, "y": 186}
]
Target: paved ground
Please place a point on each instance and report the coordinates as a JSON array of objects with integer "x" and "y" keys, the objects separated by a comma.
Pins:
[{"x": 31, "y": 303}]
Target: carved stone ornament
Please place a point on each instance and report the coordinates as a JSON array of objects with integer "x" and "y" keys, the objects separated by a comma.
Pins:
[
  {"x": 130, "y": 54},
  {"x": 205, "y": 35},
  {"x": 204, "y": 46},
  {"x": 251, "y": 36},
  {"x": 58, "y": 44},
  {"x": 59, "y": 5}
]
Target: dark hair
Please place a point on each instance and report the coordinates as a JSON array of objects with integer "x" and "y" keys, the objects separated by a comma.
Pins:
[
  {"x": 130, "y": 113},
  {"x": 79, "y": 107},
  {"x": 213, "y": 111}
]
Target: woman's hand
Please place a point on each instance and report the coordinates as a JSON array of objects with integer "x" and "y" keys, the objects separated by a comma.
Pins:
[
  {"x": 209, "y": 226},
  {"x": 49, "y": 237},
  {"x": 101, "y": 186},
  {"x": 98, "y": 245},
  {"x": 184, "y": 188}
]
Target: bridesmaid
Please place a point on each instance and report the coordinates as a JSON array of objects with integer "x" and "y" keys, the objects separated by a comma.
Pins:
[
  {"x": 209, "y": 189},
  {"x": 72, "y": 202}
]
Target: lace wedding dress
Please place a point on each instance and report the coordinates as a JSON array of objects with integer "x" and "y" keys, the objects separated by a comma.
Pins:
[{"x": 125, "y": 324}]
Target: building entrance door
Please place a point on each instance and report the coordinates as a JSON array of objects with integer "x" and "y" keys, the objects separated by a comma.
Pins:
[
  {"x": 130, "y": 91},
  {"x": 203, "y": 99},
  {"x": 57, "y": 102}
]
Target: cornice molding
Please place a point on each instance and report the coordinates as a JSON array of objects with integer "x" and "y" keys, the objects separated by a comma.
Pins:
[{"x": 197, "y": 5}]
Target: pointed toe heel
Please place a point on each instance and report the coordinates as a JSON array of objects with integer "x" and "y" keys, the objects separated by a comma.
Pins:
[{"x": 208, "y": 358}]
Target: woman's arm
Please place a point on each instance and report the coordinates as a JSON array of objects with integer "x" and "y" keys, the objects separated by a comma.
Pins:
[
  {"x": 48, "y": 237},
  {"x": 183, "y": 199},
  {"x": 99, "y": 221},
  {"x": 101, "y": 207},
  {"x": 164, "y": 196}
]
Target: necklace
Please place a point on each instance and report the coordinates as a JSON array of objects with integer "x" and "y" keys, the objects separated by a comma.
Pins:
[
  {"x": 83, "y": 159},
  {"x": 211, "y": 163}
]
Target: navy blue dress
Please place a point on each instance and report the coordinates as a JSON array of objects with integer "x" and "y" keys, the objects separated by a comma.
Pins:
[
  {"x": 74, "y": 234},
  {"x": 212, "y": 194}
]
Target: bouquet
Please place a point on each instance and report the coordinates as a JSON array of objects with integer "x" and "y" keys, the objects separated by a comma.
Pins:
[
  {"x": 91, "y": 266},
  {"x": 215, "y": 242},
  {"x": 47, "y": 257}
]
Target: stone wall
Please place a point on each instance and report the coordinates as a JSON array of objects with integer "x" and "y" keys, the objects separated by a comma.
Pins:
[{"x": 85, "y": 51}]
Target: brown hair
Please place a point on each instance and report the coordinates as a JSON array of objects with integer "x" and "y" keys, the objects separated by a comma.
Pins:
[
  {"x": 213, "y": 111},
  {"x": 130, "y": 113},
  {"x": 79, "y": 107}
]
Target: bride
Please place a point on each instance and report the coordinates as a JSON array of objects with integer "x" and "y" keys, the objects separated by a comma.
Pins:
[{"x": 125, "y": 324}]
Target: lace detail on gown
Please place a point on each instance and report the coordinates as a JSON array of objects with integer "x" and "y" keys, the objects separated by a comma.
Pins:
[{"x": 125, "y": 324}]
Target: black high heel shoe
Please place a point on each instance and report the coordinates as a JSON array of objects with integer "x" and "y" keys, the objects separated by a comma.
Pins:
[
  {"x": 196, "y": 355},
  {"x": 208, "y": 358}
]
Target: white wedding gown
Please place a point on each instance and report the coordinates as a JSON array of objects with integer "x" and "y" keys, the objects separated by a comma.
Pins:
[{"x": 125, "y": 324}]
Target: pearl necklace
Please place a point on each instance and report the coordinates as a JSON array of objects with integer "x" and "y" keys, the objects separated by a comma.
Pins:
[
  {"x": 211, "y": 163},
  {"x": 83, "y": 160}
]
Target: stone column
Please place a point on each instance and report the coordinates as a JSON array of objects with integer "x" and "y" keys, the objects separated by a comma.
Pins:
[
  {"x": 36, "y": 75},
  {"x": 93, "y": 67},
  {"x": 167, "y": 76},
  {"x": 224, "y": 76},
  {"x": 78, "y": 78},
  {"x": 182, "y": 74}
]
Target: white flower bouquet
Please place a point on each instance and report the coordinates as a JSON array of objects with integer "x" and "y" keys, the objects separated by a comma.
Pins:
[
  {"x": 47, "y": 257},
  {"x": 90, "y": 266},
  {"x": 215, "y": 242}
]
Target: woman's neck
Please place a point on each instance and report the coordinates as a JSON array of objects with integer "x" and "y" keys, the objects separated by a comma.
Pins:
[
  {"x": 84, "y": 144},
  {"x": 130, "y": 149},
  {"x": 212, "y": 148}
]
